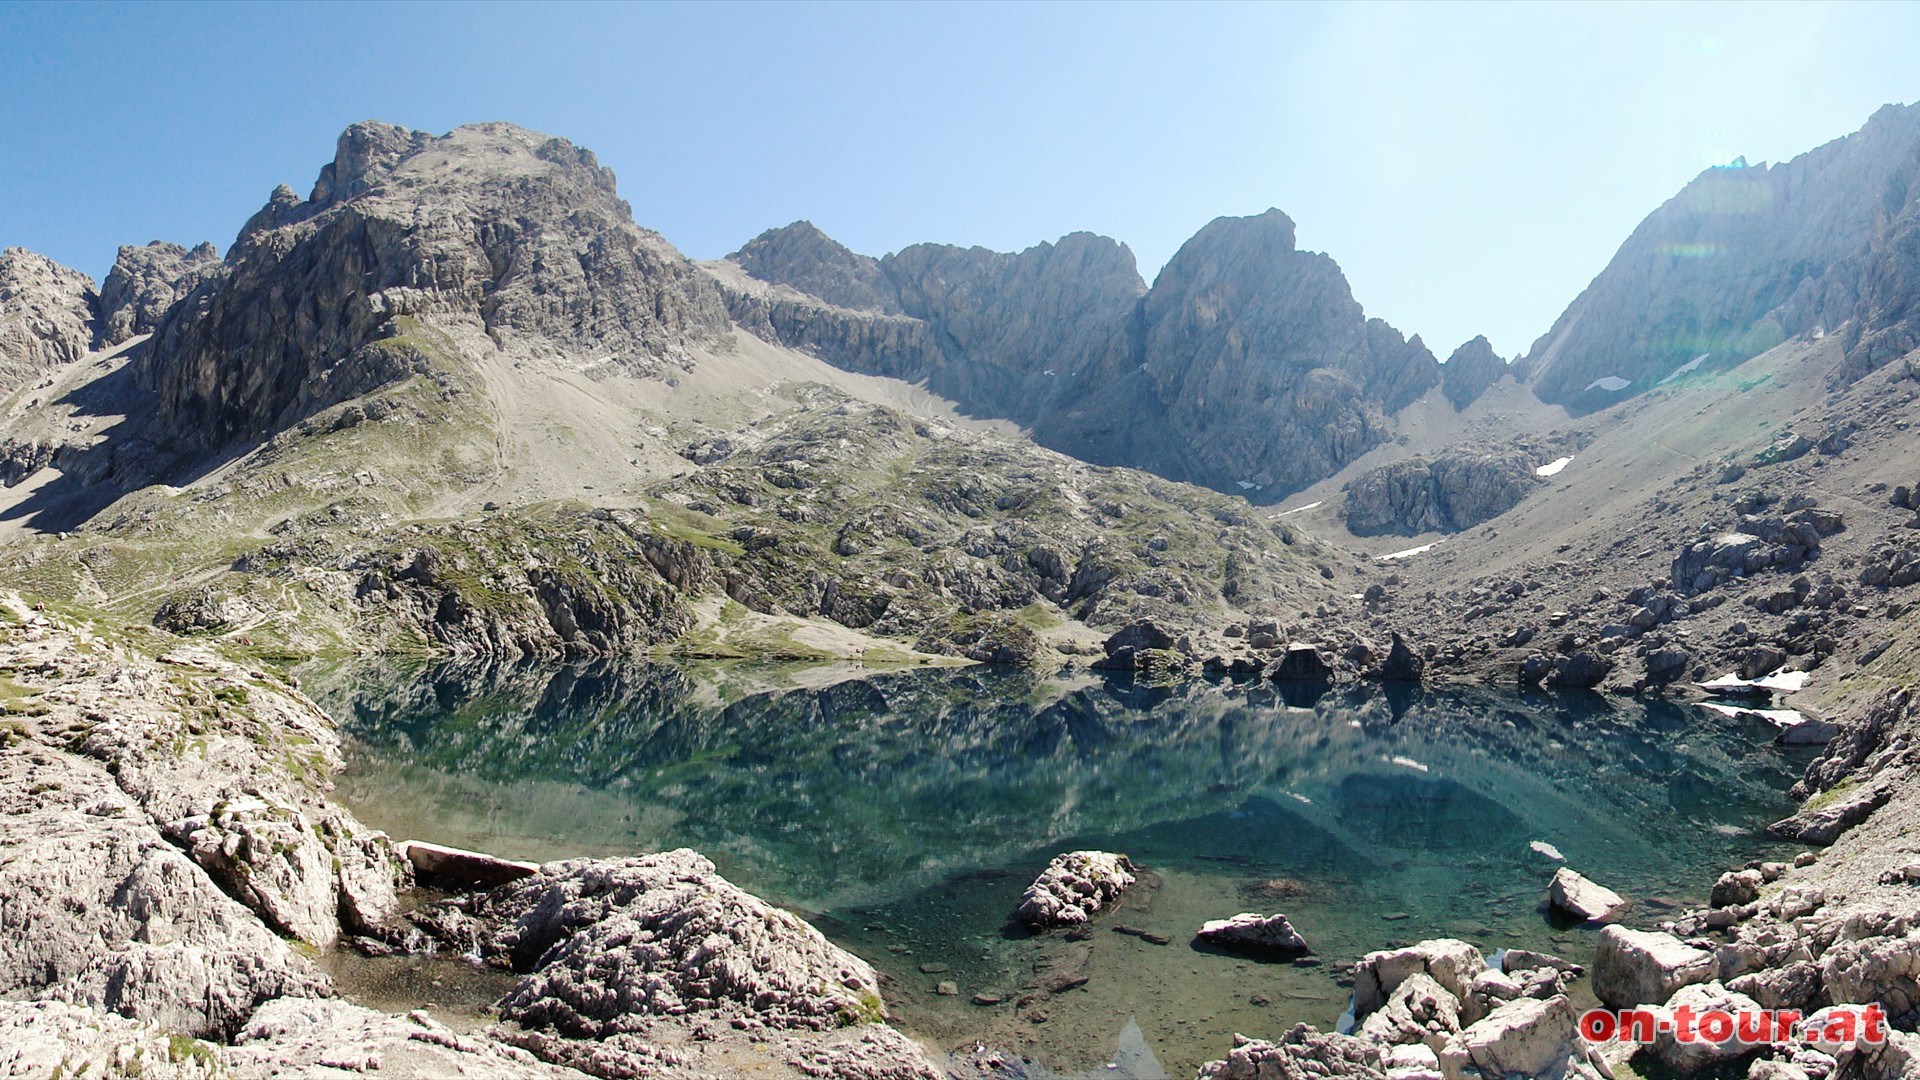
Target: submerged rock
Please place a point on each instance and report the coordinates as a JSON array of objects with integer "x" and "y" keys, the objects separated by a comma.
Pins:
[
  {"x": 1249, "y": 932},
  {"x": 1576, "y": 896},
  {"x": 1299, "y": 1054},
  {"x": 1073, "y": 887}
]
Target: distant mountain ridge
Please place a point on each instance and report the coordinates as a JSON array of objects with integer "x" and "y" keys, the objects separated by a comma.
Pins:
[{"x": 1247, "y": 366}]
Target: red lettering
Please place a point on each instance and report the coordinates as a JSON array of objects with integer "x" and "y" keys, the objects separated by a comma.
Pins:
[
  {"x": 1716, "y": 1026},
  {"x": 1754, "y": 1028},
  {"x": 1843, "y": 1028},
  {"x": 1783, "y": 1022},
  {"x": 1874, "y": 1017},
  {"x": 1683, "y": 1023},
  {"x": 1597, "y": 1025},
  {"x": 1637, "y": 1025}
]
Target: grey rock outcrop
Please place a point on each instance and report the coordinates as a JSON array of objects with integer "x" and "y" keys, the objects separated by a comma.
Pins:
[
  {"x": 1457, "y": 489},
  {"x": 46, "y": 316},
  {"x": 801, "y": 256},
  {"x": 1742, "y": 258},
  {"x": 145, "y": 281},
  {"x": 1073, "y": 888},
  {"x": 522, "y": 231},
  {"x": 611, "y": 945},
  {"x": 1265, "y": 370},
  {"x": 1300, "y": 1054},
  {"x": 1470, "y": 371}
]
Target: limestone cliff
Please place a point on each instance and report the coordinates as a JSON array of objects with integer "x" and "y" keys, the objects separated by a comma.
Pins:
[
  {"x": 46, "y": 316},
  {"x": 145, "y": 281},
  {"x": 1742, "y": 258},
  {"x": 1247, "y": 366},
  {"x": 519, "y": 229}
]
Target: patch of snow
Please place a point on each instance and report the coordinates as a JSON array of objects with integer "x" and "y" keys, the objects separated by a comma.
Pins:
[
  {"x": 1552, "y": 468},
  {"x": 1548, "y": 850},
  {"x": 1408, "y": 553},
  {"x": 1247, "y": 485},
  {"x": 1409, "y": 763},
  {"x": 1297, "y": 509},
  {"x": 1302, "y": 798},
  {"x": 1781, "y": 718},
  {"x": 1787, "y": 682},
  {"x": 1686, "y": 367},
  {"x": 1609, "y": 383}
]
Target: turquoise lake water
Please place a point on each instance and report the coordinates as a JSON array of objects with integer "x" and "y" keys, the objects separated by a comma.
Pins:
[{"x": 904, "y": 813}]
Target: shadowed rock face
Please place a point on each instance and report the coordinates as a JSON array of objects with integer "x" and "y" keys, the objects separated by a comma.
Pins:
[
  {"x": 46, "y": 316},
  {"x": 1457, "y": 489},
  {"x": 519, "y": 229},
  {"x": 1741, "y": 259},
  {"x": 1470, "y": 371},
  {"x": 145, "y": 281},
  {"x": 1247, "y": 364}
]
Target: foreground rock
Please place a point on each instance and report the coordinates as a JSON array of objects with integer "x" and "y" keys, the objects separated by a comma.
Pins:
[
  {"x": 1636, "y": 967},
  {"x": 1251, "y": 933},
  {"x": 1451, "y": 963},
  {"x": 1528, "y": 1037},
  {"x": 1073, "y": 888},
  {"x": 1301, "y": 1053},
  {"x": 1572, "y": 894}
]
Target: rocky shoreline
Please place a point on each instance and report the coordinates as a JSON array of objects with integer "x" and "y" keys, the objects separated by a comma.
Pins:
[
  {"x": 171, "y": 865},
  {"x": 174, "y": 862}
]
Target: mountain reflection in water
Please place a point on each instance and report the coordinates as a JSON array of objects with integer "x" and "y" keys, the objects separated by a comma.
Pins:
[{"x": 904, "y": 813}]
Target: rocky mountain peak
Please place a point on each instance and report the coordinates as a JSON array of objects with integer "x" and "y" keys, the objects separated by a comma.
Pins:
[
  {"x": 365, "y": 153},
  {"x": 517, "y": 233},
  {"x": 801, "y": 256},
  {"x": 1468, "y": 373},
  {"x": 145, "y": 281},
  {"x": 1264, "y": 362},
  {"x": 46, "y": 316}
]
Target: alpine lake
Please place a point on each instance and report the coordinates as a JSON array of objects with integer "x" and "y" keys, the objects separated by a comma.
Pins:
[{"x": 903, "y": 813}]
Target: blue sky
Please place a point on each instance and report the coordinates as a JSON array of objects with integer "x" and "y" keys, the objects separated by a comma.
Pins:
[{"x": 1470, "y": 167}]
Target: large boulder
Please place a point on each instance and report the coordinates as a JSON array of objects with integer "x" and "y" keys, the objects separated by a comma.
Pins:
[
  {"x": 1878, "y": 969},
  {"x": 1574, "y": 895},
  {"x": 1448, "y": 961},
  {"x": 1529, "y": 1037},
  {"x": 1691, "y": 1056},
  {"x": 1301, "y": 1054},
  {"x": 1073, "y": 887},
  {"x": 611, "y": 944},
  {"x": 1419, "y": 1010},
  {"x": 1638, "y": 967},
  {"x": 1301, "y": 662},
  {"x": 1402, "y": 663}
]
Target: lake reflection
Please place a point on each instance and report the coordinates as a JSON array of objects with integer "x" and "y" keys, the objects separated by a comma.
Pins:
[{"x": 905, "y": 812}]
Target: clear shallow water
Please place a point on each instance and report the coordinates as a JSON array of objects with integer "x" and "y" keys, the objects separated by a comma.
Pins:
[{"x": 904, "y": 813}]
